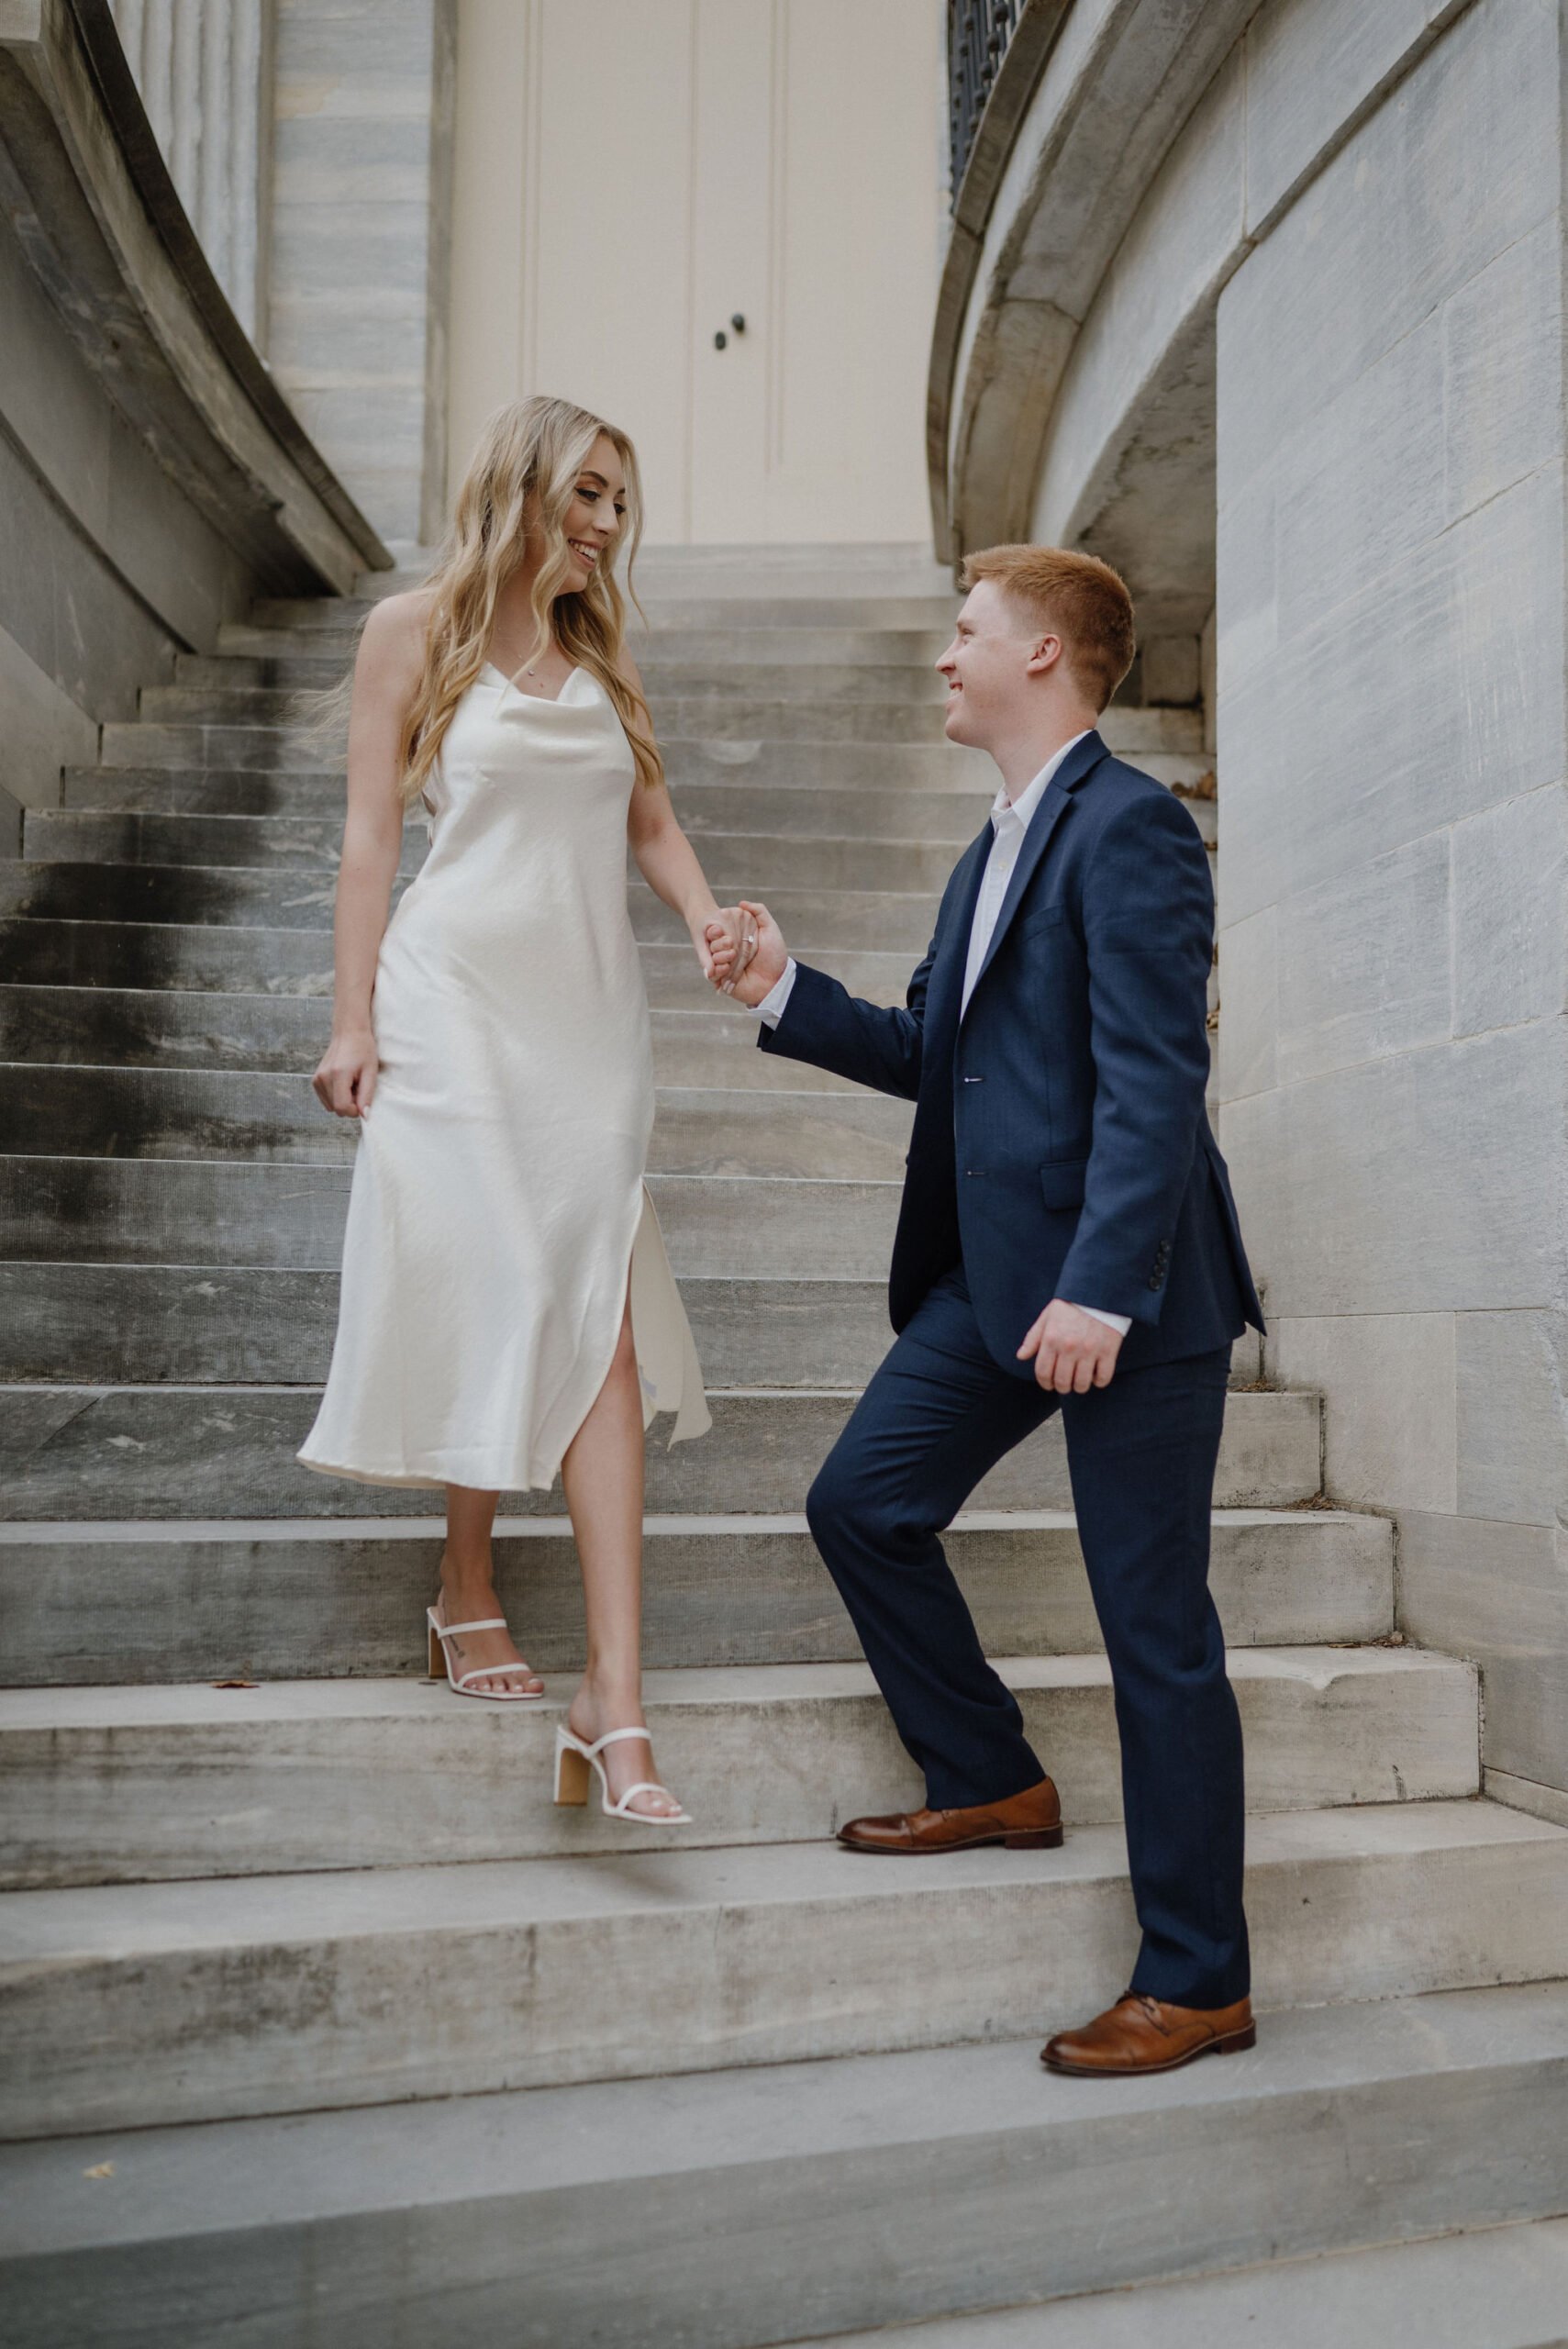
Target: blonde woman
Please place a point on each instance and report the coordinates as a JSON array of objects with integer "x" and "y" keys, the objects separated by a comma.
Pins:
[{"x": 508, "y": 1311}]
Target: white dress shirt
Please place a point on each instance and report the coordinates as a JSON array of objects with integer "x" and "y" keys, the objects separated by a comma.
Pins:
[{"x": 1011, "y": 819}]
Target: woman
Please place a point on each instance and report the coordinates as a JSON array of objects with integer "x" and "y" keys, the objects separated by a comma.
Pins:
[{"x": 507, "y": 1311}]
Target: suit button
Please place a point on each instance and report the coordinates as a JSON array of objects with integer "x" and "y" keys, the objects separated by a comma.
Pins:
[{"x": 1154, "y": 1280}]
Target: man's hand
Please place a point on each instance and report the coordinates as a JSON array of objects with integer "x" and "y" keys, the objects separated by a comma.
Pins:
[
  {"x": 1072, "y": 1351},
  {"x": 768, "y": 962}
]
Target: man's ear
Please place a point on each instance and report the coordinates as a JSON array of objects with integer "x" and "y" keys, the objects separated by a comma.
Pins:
[{"x": 1044, "y": 656}]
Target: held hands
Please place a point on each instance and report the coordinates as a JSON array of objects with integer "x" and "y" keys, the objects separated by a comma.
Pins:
[
  {"x": 762, "y": 964},
  {"x": 724, "y": 946},
  {"x": 345, "y": 1082},
  {"x": 1072, "y": 1351}
]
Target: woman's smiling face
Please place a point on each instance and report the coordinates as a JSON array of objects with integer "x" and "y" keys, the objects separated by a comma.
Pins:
[{"x": 594, "y": 516}]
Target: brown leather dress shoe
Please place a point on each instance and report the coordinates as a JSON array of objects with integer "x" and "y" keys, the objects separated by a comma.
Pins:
[
  {"x": 1028, "y": 1823},
  {"x": 1143, "y": 2035}
]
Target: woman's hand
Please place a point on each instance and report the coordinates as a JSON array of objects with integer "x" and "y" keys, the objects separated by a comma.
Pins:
[
  {"x": 766, "y": 958},
  {"x": 345, "y": 1082},
  {"x": 726, "y": 946}
]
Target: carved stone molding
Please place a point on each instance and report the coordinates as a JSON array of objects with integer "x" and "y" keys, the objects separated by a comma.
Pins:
[{"x": 94, "y": 209}]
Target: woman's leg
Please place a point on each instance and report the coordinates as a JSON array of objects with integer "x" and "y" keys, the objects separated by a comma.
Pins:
[
  {"x": 468, "y": 1592},
  {"x": 603, "y": 1476}
]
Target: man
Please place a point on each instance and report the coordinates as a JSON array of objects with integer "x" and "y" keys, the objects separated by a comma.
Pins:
[{"x": 1067, "y": 1241}]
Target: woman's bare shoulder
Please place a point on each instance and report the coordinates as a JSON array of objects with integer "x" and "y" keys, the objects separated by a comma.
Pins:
[{"x": 396, "y": 625}]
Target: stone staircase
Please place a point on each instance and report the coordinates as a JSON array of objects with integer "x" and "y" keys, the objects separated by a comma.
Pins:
[{"x": 317, "y": 2014}]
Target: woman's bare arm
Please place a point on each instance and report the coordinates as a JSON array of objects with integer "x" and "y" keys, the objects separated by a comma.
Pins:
[
  {"x": 387, "y": 674},
  {"x": 668, "y": 863}
]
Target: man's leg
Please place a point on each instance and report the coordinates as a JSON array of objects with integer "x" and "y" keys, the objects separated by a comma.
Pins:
[
  {"x": 937, "y": 1415},
  {"x": 1142, "y": 1453}
]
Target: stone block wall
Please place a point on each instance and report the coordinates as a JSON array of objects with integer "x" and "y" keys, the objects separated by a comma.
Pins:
[{"x": 1392, "y": 748}]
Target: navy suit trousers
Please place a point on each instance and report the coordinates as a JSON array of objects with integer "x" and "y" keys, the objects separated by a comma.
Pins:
[{"x": 940, "y": 1412}]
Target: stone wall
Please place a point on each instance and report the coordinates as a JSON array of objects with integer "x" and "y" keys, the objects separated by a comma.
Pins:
[
  {"x": 1329, "y": 319},
  {"x": 1392, "y": 740}
]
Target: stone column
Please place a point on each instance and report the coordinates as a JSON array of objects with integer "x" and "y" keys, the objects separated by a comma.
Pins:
[
  {"x": 203, "y": 68},
  {"x": 361, "y": 235}
]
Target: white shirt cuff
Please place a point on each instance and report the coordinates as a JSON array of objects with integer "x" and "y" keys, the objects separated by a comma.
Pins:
[
  {"x": 771, "y": 1010},
  {"x": 1120, "y": 1322}
]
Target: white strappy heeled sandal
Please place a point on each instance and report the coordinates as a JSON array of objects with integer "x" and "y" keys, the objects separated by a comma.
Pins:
[
  {"x": 573, "y": 1757},
  {"x": 441, "y": 1664}
]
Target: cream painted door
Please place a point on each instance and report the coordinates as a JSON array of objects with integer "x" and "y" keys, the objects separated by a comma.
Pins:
[{"x": 632, "y": 174}]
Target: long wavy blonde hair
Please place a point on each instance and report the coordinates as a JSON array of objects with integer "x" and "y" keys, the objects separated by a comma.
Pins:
[{"x": 523, "y": 476}]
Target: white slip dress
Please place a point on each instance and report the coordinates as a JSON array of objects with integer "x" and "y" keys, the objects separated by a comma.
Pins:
[{"x": 498, "y": 1211}]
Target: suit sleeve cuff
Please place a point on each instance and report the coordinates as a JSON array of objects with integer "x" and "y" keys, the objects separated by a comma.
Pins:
[
  {"x": 772, "y": 1009},
  {"x": 1120, "y": 1322}
]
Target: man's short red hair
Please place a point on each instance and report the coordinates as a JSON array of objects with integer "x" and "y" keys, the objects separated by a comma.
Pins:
[{"x": 1082, "y": 599}]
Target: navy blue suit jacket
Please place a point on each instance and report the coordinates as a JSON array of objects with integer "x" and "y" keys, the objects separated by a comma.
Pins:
[{"x": 1060, "y": 1145}]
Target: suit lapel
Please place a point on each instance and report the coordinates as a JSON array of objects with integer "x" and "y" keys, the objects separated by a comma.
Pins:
[
  {"x": 1074, "y": 770},
  {"x": 945, "y": 991}
]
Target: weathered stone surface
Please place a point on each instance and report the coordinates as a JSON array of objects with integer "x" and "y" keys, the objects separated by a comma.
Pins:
[
  {"x": 129, "y": 1785},
  {"x": 1494, "y": 1592},
  {"x": 1249, "y": 1028},
  {"x": 1502, "y": 359},
  {"x": 1438, "y": 694},
  {"x": 1166, "y": 268},
  {"x": 169, "y": 2003},
  {"x": 1311, "y": 66},
  {"x": 1415, "y": 1185},
  {"x": 75, "y": 1452},
  {"x": 285, "y": 1599},
  {"x": 699, "y": 2208},
  {"x": 1512, "y": 1435},
  {"x": 358, "y": 331},
  {"x": 1504, "y": 2286},
  {"x": 1377, "y": 241},
  {"x": 1389, "y": 1423},
  {"x": 1510, "y": 939},
  {"x": 1364, "y": 962}
]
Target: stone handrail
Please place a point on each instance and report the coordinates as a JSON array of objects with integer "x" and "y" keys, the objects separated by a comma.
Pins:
[
  {"x": 95, "y": 211},
  {"x": 1017, "y": 77}
]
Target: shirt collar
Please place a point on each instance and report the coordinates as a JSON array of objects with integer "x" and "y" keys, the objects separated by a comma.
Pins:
[{"x": 1024, "y": 805}]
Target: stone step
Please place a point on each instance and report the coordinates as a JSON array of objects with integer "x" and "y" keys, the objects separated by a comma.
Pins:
[
  {"x": 735, "y": 720},
  {"x": 1505, "y": 2287},
  {"x": 726, "y": 2210},
  {"x": 794, "y": 860},
  {"x": 234, "y": 737},
  {"x": 128, "y": 1452},
  {"x": 158, "y": 1028},
  {"x": 302, "y": 898},
  {"x": 192, "y": 1323},
  {"x": 711, "y": 803},
  {"x": 172, "y": 1598},
  {"x": 175, "y": 1114},
  {"x": 148, "y": 2005},
  {"x": 222, "y": 695},
  {"x": 738, "y": 606},
  {"x": 130, "y": 1786},
  {"x": 225, "y": 1213},
  {"x": 265, "y": 656},
  {"x": 212, "y": 955},
  {"x": 275, "y": 787},
  {"x": 182, "y": 1029}
]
